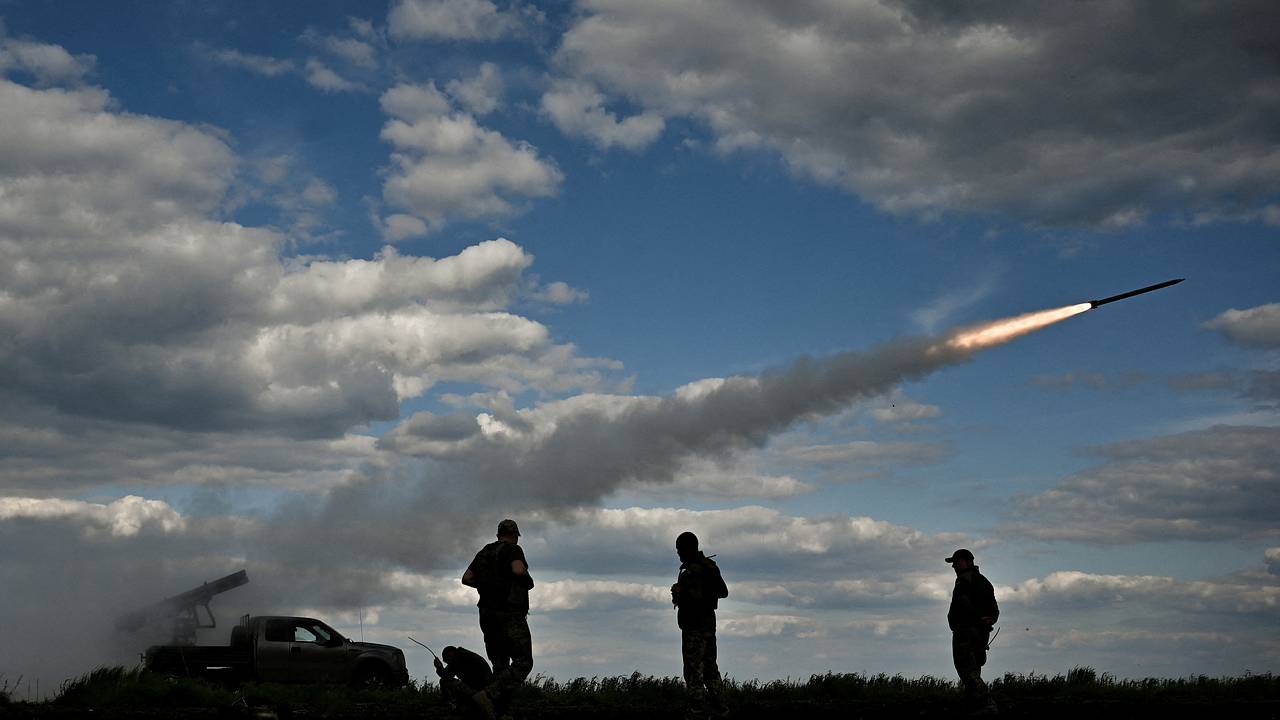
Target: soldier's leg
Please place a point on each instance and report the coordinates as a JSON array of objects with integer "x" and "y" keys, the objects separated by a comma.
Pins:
[
  {"x": 519, "y": 648},
  {"x": 711, "y": 672},
  {"x": 693, "y": 648},
  {"x": 495, "y": 640},
  {"x": 964, "y": 653}
]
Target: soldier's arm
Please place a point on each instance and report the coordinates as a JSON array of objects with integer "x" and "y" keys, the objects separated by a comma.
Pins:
[{"x": 469, "y": 578}]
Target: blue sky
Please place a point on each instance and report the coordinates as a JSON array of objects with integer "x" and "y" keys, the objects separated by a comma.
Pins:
[{"x": 327, "y": 290}]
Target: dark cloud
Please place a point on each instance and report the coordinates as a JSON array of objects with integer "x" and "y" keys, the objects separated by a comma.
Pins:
[
  {"x": 1220, "y": 483},
  {"x": 1036, "y": 109},
  {"x": 1090, "y": 380},
  {"x": 1192, "y": 382}
]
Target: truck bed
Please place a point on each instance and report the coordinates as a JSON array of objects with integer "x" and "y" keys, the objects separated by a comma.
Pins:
[{"x": 199, "y": 659}]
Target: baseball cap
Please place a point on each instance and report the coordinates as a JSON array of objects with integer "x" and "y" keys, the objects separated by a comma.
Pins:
[{"x": 961, "y": 554}]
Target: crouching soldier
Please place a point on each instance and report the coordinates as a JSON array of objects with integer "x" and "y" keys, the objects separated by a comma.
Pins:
[
  {"x": 462, "y": 674},
  {"x": 973, "y": 611},
  {"x": 696, "y": 595}
]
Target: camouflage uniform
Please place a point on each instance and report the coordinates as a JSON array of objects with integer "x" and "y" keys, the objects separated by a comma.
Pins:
[
  {"x": 700, "y": 587},
  {"x": 504, "y": 610},
  {"x": 972, "y": 600}
]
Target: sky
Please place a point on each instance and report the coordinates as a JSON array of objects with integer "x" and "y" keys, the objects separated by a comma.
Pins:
[{"x": 325, "y": 290}]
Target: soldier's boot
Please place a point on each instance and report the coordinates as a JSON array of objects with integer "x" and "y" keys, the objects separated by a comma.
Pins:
[{"x": 484, "y": 706}]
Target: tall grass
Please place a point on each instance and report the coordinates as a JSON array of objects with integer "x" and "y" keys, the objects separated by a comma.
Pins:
[{"x": 639, "y": 695}]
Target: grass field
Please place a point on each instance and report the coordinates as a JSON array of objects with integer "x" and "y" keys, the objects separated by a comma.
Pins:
[{"x": 122, "y": 693}]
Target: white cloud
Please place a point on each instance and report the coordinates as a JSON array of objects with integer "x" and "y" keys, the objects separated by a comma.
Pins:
[
  {"x": 398, "y": 226},
  {"x": 1030, "y": 112},
  {"x": 449, "y": 20},
  {"x": 260, "y": 64},
  {"x": 481, "y": 93},
  {"x": 577, "y": 109},
  {"x": 1079, "y": 589},
  {"x": 125, "y": 517},
  {"x": 869, "y": 452},
  {"x": 718, "y": 481},
  {"x": 50, "y": 64},
  {"x": 446, "y": 165},
  {"x": 1252, "y": 327},
  {"x": 107, "y": 252},
  {"x": 356, "y": 52},
  {"x": 943, "y": 310},
  {"x": 559, "y": 293},
  {"x": 323, "y": 77}
]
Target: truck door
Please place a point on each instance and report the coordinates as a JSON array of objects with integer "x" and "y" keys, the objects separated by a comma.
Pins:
[
  {"x": 321, "y": 654},
  {"x": 274, "y": 650}
]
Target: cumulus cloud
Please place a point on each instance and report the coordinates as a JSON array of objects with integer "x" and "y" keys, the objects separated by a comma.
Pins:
[
  {"x": 755, "y": 541},
  {"x": 48, "y": 64},
  {"x": 1219, "y": 483},
  {"x": 446, "y": 165},
  {"x": 1079, "y": 589},
  {"x": 124, "y": 517},
  {"x": 124, "y": 300},
  {"x": 481, "y": 93},
  {"x": 321, "y": 76},
  {"x": 1034, "y": 111},
  {"x": 578, "y": 109},
  {"x": 1253, "y": 327},
  {"x": 450, "y": 20}
]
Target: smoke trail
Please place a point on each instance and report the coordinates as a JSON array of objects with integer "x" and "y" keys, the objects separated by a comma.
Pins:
[{"x": 578, "y": 450}]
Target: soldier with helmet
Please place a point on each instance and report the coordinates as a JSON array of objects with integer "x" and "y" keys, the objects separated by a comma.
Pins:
[{"x": 501, "y": 574}]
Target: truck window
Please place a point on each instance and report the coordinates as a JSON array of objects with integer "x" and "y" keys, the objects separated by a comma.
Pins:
[
  {"x": 279, "y": 631},
  {"x": 302, "y": 633}
]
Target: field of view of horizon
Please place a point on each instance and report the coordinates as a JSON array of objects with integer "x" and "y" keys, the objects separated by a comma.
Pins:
[{"x": 326, "y": 290}]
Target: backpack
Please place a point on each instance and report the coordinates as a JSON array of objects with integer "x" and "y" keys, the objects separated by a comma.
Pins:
[{"x": 714, "y": 582}]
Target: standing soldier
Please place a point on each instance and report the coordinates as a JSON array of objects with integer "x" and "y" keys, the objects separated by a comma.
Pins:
[
  {"x": 501, "y": 574},
  {"x": 696, "y": 594},
  {"x": 973, "y": 612}
]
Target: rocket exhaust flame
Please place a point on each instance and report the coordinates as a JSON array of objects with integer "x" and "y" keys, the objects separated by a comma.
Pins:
[{"x": 998, "y": 332}]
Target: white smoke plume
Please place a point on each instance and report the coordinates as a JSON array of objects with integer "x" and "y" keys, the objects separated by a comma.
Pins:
[{"x": 578, "y": 450}]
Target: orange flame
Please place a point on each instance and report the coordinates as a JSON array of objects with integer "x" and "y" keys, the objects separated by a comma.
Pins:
[{"x": 998, "y": 332}]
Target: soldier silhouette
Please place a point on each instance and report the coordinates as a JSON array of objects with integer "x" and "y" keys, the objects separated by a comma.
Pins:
[
  {"x": 696, "y": 594},
  {"x": 972, "y": 613}
]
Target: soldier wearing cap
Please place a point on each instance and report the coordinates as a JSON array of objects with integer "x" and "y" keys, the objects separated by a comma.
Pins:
[
  {"x": 973, "y": 611},
  {"x": 501, "y": 574}
]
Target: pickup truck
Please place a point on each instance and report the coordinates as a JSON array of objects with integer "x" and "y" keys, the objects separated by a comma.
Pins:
[{"x": 286, "y": 650}]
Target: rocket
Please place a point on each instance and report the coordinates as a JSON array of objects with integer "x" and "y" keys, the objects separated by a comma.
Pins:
[{"x": 1131, "y": 293}]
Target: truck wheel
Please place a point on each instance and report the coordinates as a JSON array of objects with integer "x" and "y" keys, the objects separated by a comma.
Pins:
[{"x": 371, "y": 676}]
